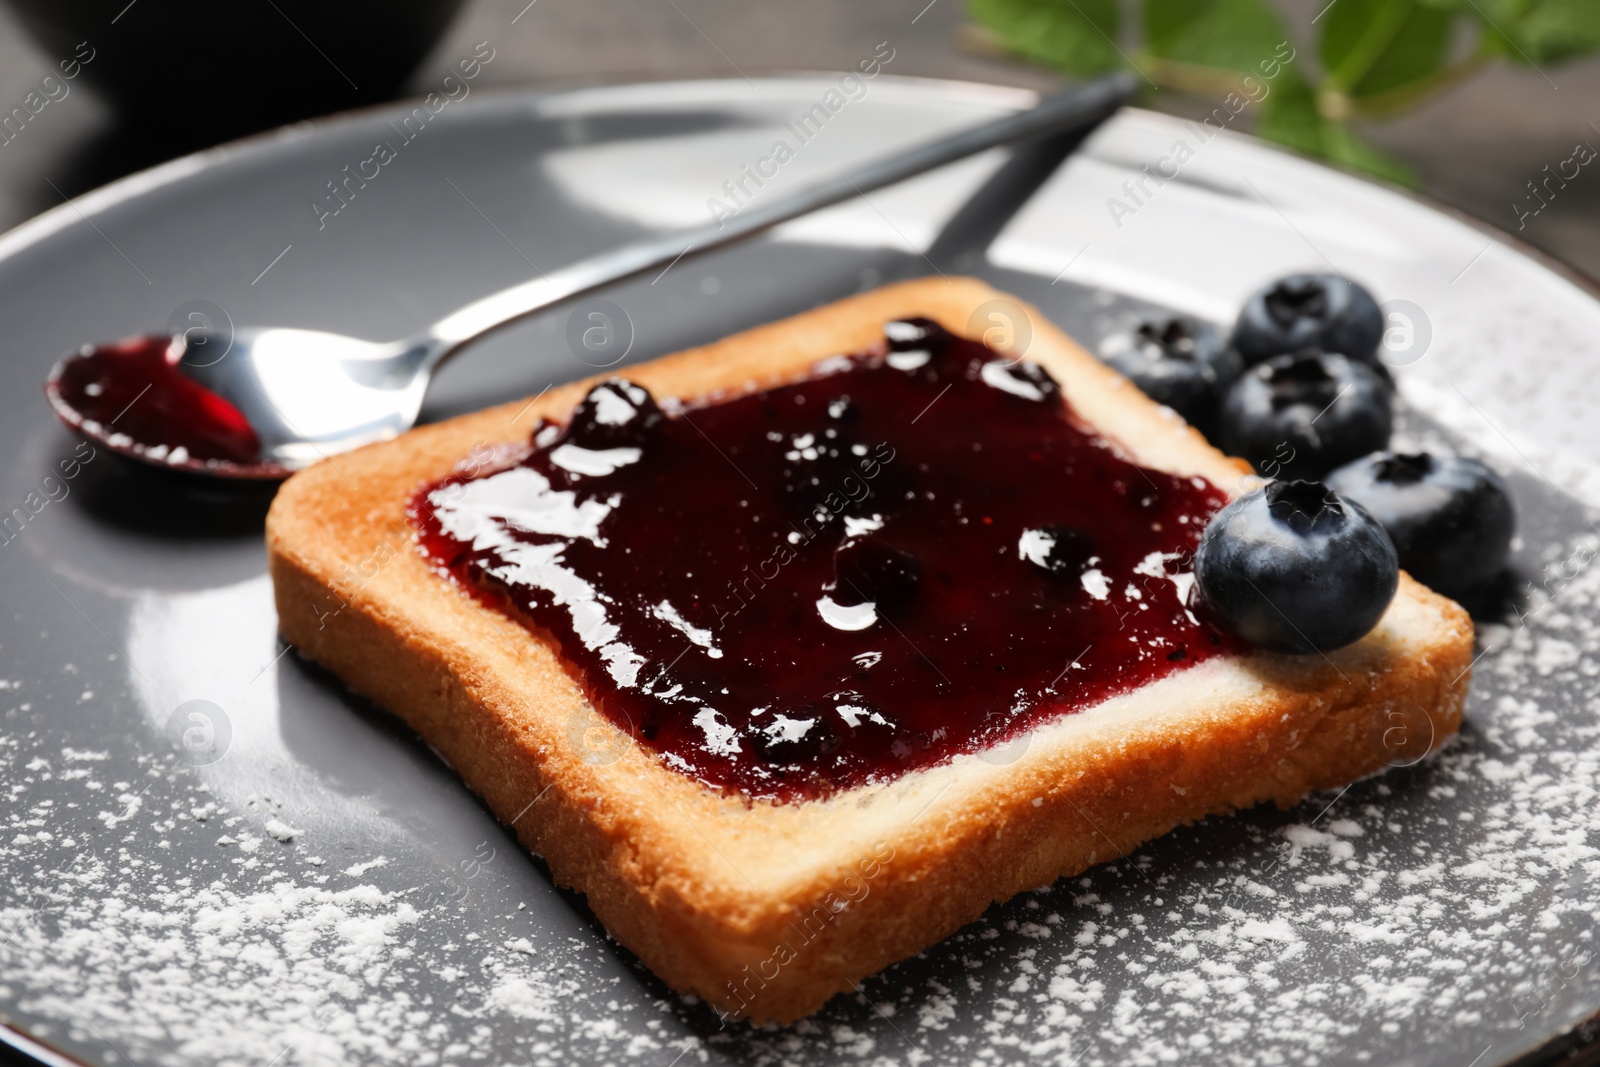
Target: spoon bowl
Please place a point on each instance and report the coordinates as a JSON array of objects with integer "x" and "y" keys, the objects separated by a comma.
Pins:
[
  {"x": 275, "y": 401},
  {"x": 311, "y": 394}
]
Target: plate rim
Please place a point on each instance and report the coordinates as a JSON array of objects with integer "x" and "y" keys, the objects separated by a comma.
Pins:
[{"x": 130, "y": 187}]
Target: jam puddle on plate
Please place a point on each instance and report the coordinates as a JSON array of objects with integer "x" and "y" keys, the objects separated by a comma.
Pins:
[
  {"x": 916, "y": 552},
  {"x": 134, "y": 397}
]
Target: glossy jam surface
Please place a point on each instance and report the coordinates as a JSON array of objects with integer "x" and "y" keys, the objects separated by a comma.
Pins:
[
  {"x": 917, "y": 552},
  {"x": 133, "y": 396}
]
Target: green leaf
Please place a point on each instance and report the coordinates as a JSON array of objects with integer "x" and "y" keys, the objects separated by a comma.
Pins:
[
  {"x": 1237, "y": 35},
  {"x": 1354, "y": 33},
  {"x": 1373, "y": 47},
  {"x": 1342, "y": 145},
  {"x": 1076, "y": 36},
  {"x": 1289, "y": 116},
  {"x": 1543, "y": 31}
]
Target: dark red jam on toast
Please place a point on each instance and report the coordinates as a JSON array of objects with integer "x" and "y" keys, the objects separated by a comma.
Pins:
[{"x": 916, "y": 552}]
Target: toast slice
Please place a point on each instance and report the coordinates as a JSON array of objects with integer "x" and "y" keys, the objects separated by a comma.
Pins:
[{"x": 766, "y": 910}]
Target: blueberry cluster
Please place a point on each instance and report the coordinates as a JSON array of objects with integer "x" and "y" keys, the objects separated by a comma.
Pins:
[
  {"x": 1297, "y": 389},
  {"x": 1306, "y": 565}
]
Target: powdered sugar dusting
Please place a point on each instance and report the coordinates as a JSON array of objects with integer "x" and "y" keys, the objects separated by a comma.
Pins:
[{"x": 124, "y": 949}]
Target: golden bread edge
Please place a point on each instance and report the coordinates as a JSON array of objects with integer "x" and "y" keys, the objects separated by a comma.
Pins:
[{"x": 771, "y": 909}]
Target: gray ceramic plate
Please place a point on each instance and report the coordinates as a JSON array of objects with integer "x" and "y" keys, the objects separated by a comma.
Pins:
[{"x": 212, "y": 855}]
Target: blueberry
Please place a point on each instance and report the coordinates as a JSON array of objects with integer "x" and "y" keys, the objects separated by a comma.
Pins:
[
  {"x": 871, "y": 569},
  {"x": 1293, "y": 567},
  {"x": 1450, "y": 517},
  {"x": 1309, "y": 311},
  {"x": 1181, "y": 363},
  {"x": 615, "y": 414},
  {"x": 1305, "y": 414}
]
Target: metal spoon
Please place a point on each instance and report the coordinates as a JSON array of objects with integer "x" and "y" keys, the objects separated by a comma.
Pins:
[{"x": 310, "y": 394}]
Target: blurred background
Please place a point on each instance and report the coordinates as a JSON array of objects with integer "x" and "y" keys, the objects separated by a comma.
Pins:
[{"x": 1489, "y": 106}]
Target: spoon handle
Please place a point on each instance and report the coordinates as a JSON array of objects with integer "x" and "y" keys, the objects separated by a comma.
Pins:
[{"x": 1080, "y": 108}]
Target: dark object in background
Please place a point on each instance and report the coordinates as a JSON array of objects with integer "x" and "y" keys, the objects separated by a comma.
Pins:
[{"x": 185, "y": 74}]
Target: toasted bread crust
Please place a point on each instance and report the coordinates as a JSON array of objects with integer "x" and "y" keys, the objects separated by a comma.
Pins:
[{"x": 767, "y": 910}]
